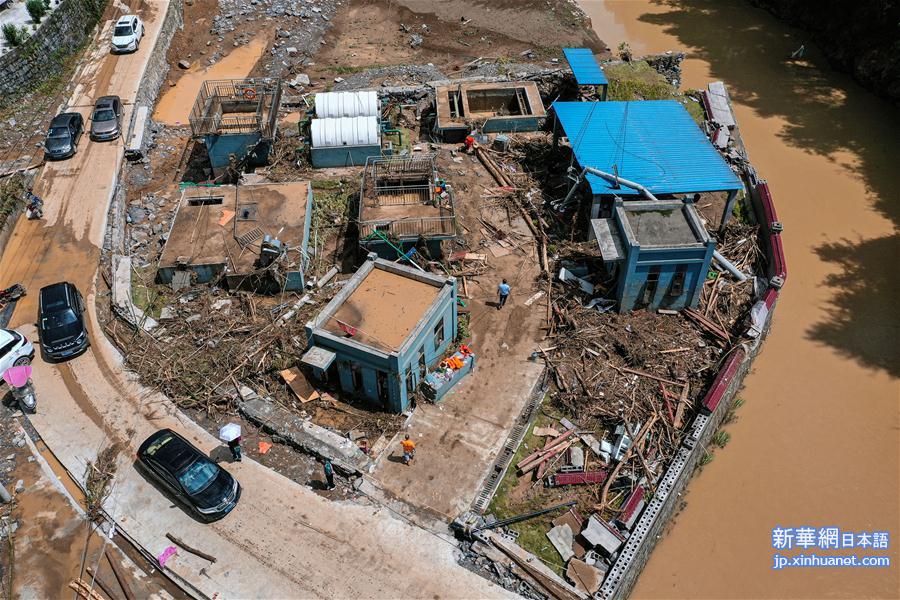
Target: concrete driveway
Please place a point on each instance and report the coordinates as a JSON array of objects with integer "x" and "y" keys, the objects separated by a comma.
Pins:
[{"x": 282, "y": 540}]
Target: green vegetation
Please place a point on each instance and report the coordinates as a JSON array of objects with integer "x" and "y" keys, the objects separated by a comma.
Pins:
[
  {"x": 637, "y": 80},
  {"x": 721, "y": 438},
  {"x": 36, "y": 10},
  {"x": 11, "y": 190},
  {"x": 331, "y": 203},
  {"x": 14, "y": 36},
  {"x": 731, "y": 415},
  {"x": 510, "y": 501},
  {"x": 706, "y": 458},
  {"x": 624, "y": 51},
  {"x": 462, "y": 329},
  {"x": 348, "y": 70},
  {"x": 145, "y": 294}
]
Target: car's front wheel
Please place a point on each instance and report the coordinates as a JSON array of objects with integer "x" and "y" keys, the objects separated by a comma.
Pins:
[{"x": 22, "y": 361}]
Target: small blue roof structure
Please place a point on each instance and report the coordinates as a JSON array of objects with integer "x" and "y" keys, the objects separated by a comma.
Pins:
[
  {"x": 584, "y": 66},
  {"x": 652, "y": 142}
]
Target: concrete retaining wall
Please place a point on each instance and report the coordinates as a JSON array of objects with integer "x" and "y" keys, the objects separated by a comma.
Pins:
[
  {"x": 715, "y": 406},
  {"x": 42, "y": 56}
]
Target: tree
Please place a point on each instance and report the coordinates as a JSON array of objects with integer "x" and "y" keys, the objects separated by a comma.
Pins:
[
  {"x": 36, "y": 9},
  {"x": 15, "y": 36}
]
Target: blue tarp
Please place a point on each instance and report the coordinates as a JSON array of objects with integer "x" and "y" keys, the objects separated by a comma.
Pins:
[
  {"x": 584, "y": 66},
  {"x": 652, "y": 142}
]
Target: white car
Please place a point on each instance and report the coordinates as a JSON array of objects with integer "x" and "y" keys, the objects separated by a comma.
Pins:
[
  {"x": 15, "y": 350},
  {"x": 127, "y": 34}
]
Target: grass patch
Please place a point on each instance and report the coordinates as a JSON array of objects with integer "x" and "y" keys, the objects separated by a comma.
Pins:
[
  {"x": 532, "y": 533},
  {"x": 637, "y": 80},
  {"x": 145, "y": 294},
  {"x": 348, "y": 70},
  {"x": 11, "y": 190},
  {"x": 721, "y": 438}
]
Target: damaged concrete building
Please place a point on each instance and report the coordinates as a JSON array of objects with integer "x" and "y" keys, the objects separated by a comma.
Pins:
[
  {"x": 381, "y": 336},
  {"x": 659, "y": 252},
  {"x": 250, "y": 236},
  {"x": 402, "y": 203},
  {"x": 501, "y": 107},
  {"x": 236, "y": 119}
]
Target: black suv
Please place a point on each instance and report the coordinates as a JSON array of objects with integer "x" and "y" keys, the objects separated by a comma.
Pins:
[
  {"x": 62, "y": 139},
  {"x": 61, "y": 321},
  {"x": 106, "y": 122},
  {"x": 189, "y": 475}
]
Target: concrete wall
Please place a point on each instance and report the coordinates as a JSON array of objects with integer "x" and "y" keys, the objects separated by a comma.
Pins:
[
  {"x": 343, "y": 156},
  {"x": 43, "y": 54},
  {"x": 715, "y": 406}
]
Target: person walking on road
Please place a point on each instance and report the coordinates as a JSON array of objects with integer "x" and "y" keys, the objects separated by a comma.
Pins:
[
  {"x": 503, "y": 292},
  {"x": 409, "y": 449},
  {"x": 235, "y": 447},
  {"x": 329, "y": 474}
]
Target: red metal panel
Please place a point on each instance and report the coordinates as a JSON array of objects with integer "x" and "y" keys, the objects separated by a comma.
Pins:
[
  {"x": 634, "y": 500},
  {"x": 770, "y": 297},
  {"x": 577, "y": 478},
  {"x": 768, "y": 205},
  {"x": 777, "y": 259},
  {"x": 715, "y": 393}
]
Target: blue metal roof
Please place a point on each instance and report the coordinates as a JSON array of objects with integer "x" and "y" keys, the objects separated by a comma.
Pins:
[
  {"x": 584, "y": 66},
  {"x": 652, "y": 142}
]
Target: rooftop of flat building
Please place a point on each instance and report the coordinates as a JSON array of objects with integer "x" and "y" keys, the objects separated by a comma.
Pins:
[
  {"x": 662, "y": 224},
  {"x": 384, "y": 309},
  {"x": 225, "y": 224}
]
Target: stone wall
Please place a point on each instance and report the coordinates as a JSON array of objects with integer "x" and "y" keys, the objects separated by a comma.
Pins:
[
  {"x": 44, "y": 53},
  {"x": 157, "y": 67}
]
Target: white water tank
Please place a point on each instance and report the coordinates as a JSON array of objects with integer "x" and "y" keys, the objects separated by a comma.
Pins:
[
  {"x": 349, "y": 131},
  {"x": 347, "y": 104}
]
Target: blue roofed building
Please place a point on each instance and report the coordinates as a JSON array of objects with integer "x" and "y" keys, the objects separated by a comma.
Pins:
[
  {"x": 654, "y": 143},
  {"x": 586, "y": 69}
]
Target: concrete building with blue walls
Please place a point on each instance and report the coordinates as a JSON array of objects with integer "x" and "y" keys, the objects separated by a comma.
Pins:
[
  {"x": 654, "y": 143},
  {"x": 383, "y": 332},
  {"x": 659, "y": 252},
  {"x": 402, "y": 203},
  {"x": 236, "y": 119}
]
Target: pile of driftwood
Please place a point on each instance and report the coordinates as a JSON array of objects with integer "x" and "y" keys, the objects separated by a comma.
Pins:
[{"x": 208, "y": 341}]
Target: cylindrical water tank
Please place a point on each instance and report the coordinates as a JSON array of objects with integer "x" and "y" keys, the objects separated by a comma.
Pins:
[
  {"x": 347, "y": 104},
  {"x": 350, "y": 131}
]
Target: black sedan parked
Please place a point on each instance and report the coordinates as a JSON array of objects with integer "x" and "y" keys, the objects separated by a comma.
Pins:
[
  {"x": 62, "y": 139},
  {"x": 107, "y": 119},
  {"x": 61, "y": 321},
  {"x": 189, "y": 475}
]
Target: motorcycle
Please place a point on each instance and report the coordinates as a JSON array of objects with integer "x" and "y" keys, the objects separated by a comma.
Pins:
[
  {"x": 34, "y": 209},
  {"x": 19, "y": 381},
  {"x": 12, "y": 293}
]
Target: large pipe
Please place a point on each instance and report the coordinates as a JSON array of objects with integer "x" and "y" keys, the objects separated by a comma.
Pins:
[
  {"x": 609, "y": 177},
  {"x": 728, "y": 266}
]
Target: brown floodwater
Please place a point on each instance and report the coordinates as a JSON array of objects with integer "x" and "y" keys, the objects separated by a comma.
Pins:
[
  {"x": 818, "y": 439},
  {"x": 174, "y": 107}
]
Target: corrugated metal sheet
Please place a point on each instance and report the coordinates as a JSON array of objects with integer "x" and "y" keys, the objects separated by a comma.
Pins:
[
  {"x": 333, "y": 105},
  {"x": 584, "y": 66},
  {"x": 653, "y": 142},
  {"x": 349, "y": 131}
]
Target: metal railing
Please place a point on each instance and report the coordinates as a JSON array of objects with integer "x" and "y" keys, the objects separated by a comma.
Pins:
[
  {"x": 410, "y": 228},
  {"x": 236, "y": 106}
]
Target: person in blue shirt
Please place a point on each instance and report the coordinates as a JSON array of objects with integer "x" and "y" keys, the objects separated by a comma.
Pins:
[
  {"x": 329, "y": 474},
  {"x": 503, "y": 291}
]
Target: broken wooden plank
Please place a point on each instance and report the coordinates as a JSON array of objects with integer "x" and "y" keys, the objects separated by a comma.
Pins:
[
  {"x": 120, "y": 577},
  {"x": 191, "y": 549},
  {"x": 296, "y": 380},
  {"x": 107, "y": 589}
]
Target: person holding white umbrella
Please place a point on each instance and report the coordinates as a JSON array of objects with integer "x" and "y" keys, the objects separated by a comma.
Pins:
[{"x": 231, "y": 435}]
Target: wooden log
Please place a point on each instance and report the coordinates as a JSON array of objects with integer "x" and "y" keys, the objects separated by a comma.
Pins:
[
  {"x": 103, "y": 585},
  {"x": 682, "y": 405},
  {"x": 553, "y": 443},
  {"x": 649, "y": 376},
  {"x": 191, "y": 549},
  {"x": 120, "y": 577}
]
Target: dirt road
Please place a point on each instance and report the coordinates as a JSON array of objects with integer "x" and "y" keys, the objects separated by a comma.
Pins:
[{"x": 282, "y": 540}]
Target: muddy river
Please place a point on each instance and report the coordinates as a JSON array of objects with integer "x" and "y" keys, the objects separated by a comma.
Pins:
[{"x": 816, "y": 443}]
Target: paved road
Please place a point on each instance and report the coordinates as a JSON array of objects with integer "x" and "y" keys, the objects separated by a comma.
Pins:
[{"x": 282, "y": 540}]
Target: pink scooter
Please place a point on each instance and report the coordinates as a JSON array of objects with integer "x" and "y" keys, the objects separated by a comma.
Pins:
[{"x": 19, "y": 381}]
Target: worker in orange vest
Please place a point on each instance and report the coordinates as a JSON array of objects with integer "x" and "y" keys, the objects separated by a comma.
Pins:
[
  {"x": 409, "y": 449},
  {"x": 470, "y": 143}
]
